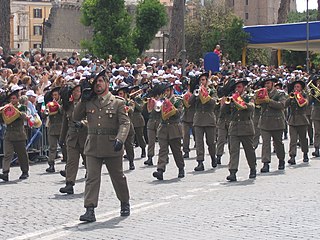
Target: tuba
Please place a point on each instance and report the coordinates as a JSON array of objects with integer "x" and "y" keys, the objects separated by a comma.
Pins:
[{"x": 313, "y": 91}]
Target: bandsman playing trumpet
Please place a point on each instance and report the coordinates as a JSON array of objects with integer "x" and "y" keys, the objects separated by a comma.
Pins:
[
  {"x": 297, "y": 121},
  {"x": 272, "y": 121},
  {"x": 241, "y": 129},
  {"x": 170, "y": 133},
  {"x": 204, "y": 121},
  {"x": 314, "y": 91}
]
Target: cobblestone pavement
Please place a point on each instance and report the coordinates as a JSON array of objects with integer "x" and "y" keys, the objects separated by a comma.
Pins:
[{"x": 277, "y": 205}]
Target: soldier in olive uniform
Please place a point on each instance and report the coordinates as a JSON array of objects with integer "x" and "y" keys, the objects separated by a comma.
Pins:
[
  {"x": 108, "y": 128},
  {"x": 129, "y": 143},
  {"x": 54, "y": 129},
  {"x": 315, "y": 116},
  {"x": 170, "y": 134},
  {"x": 138, "y": 121},
  {"x": 204, "y": 123},
  {"x": 74, "y": 134},
  {"x": 153, "y": 122},
  {"x": 241, "y": 130},
  {"x": 272, "y": 124},
  {"x": 187, "y": 124},
  {"x": 298, "y": 122},
  {"x": 15, "y": 141}
]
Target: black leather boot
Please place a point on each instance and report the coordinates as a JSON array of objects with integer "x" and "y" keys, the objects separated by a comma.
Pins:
[
  {"x": 50, "y": 169},
  {"x": 305, "y": 157},
  {"x": 89, "y": 215},
  {"x": 253, "y": 173},
  {"x": 232, "y": 177},
  {"x": 4, "y": 176},
  {"x": 63, "y": 173},
  {"x": 68, "y": 188},
  {"x": 218, "y": 158},
  {"x": 186, "y": 155},
  {"x": 265, "y": 168},
  {"x": 24, "y": 175},
  {"x": 148, "y": 162},
  {"x": 292, "y": 160},
  {"x": 143, "y": 152},
  {"x": 316, "y": 152},
  {"x": 131, "y": 165},
  {"x": 158, "y": 174},
  {"x": 125, "y": 209},
  {"x": 200, "y": 166},
  {"x": 213, "y": 161},
  {"x": 281, "y": 165},
  {"x": 181, "y": 173}
]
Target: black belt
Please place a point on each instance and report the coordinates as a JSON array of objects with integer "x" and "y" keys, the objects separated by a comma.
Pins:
[{"x": 103, "y": 131}]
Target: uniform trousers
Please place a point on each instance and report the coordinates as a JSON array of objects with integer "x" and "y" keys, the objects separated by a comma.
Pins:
[
  {"x": 175, "y": 145},
  {"x": 186, "y": 126},
  {"x": 20, "y": 148},
  {"x": 210, "y": 133},
  {"x": 234, "y": 150},
  {"x": 129, "y": 146},
  {"x": 266, "y": 145},
  {"x": 140, "y": 137},
  {"x": 310, "y": 128},
  {"x": 72, "y": 164},
  {"x": 298, "y": 133},
  {"x": 118, "y": 179},
  {"x": 222, "y": 140},
  {"x": 53, "y": 141},
  {"x": 152, "y": 128},
  {"x": 316, "y": 124}
]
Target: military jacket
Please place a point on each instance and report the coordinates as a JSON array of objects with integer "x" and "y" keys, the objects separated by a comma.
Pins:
[
  {"x": 107, "y": 121},
  {"x": 297, "y": 115},
  {"x": 272, "y": 113},
  {"x": 315, "y": 113},
  {"x": 15, "y": 131},
  {"x": 188, "y": 114},
  {"x": 137, "y": 118}
]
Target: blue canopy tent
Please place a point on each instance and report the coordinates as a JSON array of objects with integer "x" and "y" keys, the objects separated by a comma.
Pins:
[{"x": 291, "y": 36}]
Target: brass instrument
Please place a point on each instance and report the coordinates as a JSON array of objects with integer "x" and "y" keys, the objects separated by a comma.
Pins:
[
  {"x": 291, "y": 95},
  {"x": 196, "y": 92},
  {"x": 228, "y": 100},
  {"x": 301, "y": 101},
  {"x": 313, "y": 91},
  {"x": 135, "y": 94},
  {"x": 158, "y": 105}
]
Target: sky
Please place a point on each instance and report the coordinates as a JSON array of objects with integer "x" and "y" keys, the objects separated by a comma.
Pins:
[{"x": 302, "y": 5}]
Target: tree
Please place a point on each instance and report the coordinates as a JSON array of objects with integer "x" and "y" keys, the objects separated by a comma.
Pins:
[
  {"x": 175, "y": 34},
  {"x": 283, "y": 11},
  {"x": 111, "y": 29},
  {"x": 150, "y": 17},
  {"x": 5, "y": 25},
  {"x": 318, "y": 16}
]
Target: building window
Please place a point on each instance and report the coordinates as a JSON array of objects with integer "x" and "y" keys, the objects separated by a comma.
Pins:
[
  {"x": 247, "y": 2},
  {"x": 37, "y": 30},
  {"x": 18, "y": 45},
  {"x": 37, "y": 13},
  {"x": 36, "y": 45},
  {"x": 18, "y": 30},
  {"x": 247, "y": 16},
  {"x": 232, "y": 2}
]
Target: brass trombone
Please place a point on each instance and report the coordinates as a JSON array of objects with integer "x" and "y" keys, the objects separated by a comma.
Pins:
[{"x": 313, "y": 91}]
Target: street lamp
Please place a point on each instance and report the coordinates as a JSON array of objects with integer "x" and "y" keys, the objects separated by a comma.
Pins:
[
  {"x": 183, "y": 50},
  {"x": 164, "y": 35},
  {"x": 308, "y": 36}
]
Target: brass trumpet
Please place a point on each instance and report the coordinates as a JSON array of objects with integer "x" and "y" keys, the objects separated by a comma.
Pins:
[
  {"x": 196, "y": 92},
  {"x": 136, "y": 93},
  {"x": 228, "y": 100},
  {"x": 158, "y": 105},
  {"x": 313, "y": 91},
  {"x": 291, "y": 95}
]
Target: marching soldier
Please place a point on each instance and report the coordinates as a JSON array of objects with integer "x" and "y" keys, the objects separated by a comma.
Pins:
[
  {"x": 272, "y": 121},
  {"x": 298, "y": 121},
  {"x": 15, "y": 137},
  {"x": 73, "y": 135},
  {"x": 154, "y": 110},
  {"x": 138, "y": 120},
  {"x": 129, "y": 143},
  {"x": 315, "y": 116},
  {"x": 204, "y": 122},
  {"x": 54, "y": 128},
  {"x": 108, "y": 127},
  {"x": 241, "y": 129},
  {"x": 170, "y": 134}
]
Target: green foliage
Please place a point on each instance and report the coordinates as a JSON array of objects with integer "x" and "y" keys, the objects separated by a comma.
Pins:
[
  {"x": 258, "y": 56},
  {"x": 150, "y": 17},
  {"x": 302, "y": 16},
  {"x": 215, "y": 25},
  {"x": 111, "y": 26}
]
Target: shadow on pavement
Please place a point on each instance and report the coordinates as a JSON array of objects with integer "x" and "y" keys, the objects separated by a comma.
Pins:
[
  {"x": 212, "y": 170},
  {"x": 301, "y": 165},
  {"x": 10, "y": 182},
  {"x": 165, "y": 181},
  {"x": 67, "y": 196},
  {"x": 109, "y": 224},
  {"x": 246, "y": 182},
  {"x": 274, "y": 173}
]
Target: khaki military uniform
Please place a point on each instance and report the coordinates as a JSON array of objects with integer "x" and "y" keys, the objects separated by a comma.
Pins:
[
  {"x": 223, "y": 127},
  {"x": 15, "y": 141},
  {"x": 129, "y": 143},
  {"x": 75, "y": 139},
  {"x": 315, "y": 116},
  {"x": 310, "y": 127},
  {"x": 241, "y": 130},
  {"x": 152, "y": 127},
  {"x": 54, "y": 129},
  {"x": 256, "y": 118},
  {"x": 298, "y": 125},
  {"x": 170, "y": 134},
  {"x": 187, "y": 124},
  {"x": 107, "y": 121},
  {"x": 272, "y": 123},
  {"x": 138, "y": 122},
  {"x": 204, "y": 123}
]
